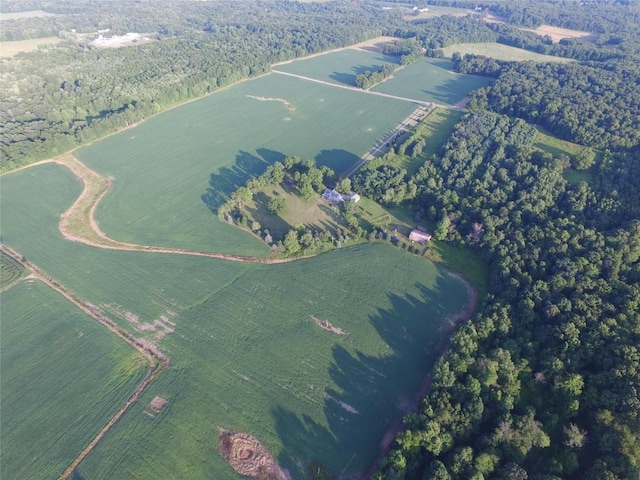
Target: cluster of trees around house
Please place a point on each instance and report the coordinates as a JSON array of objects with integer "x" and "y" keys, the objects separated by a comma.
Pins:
[
  {"x": 308, "y": 181},
  {"x": 71, "y": 93},
  {"x": 546, "y": 379}
]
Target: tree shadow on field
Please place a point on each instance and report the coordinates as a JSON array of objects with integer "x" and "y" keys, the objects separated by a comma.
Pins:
[
  {"x": 337, "y": 159},
  {"x": 370, "y": 394},
  {"x": 227, "y": 180},
  {"x": 278, "y": 227}
]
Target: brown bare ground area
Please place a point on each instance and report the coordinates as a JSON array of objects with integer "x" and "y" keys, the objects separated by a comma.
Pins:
[
  {"x": 558, "y": 33},
  {"x": 270, "y": 99},
  {"x": 249, "y": 457},
  {"x": 325, "y": 325},
  {"x": 158, "y": 404}
]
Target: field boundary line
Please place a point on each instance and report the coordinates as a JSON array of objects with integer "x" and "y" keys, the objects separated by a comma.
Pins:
[{"x": 158, "y": 361}]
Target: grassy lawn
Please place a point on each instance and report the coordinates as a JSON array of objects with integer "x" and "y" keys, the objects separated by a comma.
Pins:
[
  {"x": 555, "y": 146},
  {"x": 502, "y": 52},
  {"x": 63, "y": 377},
  {"x": 435, "y": 129},
  {"x": 245, "y": 352}
]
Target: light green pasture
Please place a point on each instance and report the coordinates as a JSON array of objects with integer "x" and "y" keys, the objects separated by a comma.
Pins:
[
  {"x": 502, "y": 52},
  {"x": 171, "y": 171},
  {"x": 246, "y": 354}
]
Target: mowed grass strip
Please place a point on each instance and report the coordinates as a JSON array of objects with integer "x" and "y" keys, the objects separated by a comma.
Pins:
[
  {"x": 431, "y": 80},
  {"x": 246, "y": 353},
  {"x": 63, "y": 377},
  {"x": 502, "y": 52},
  {"x": 170, "y": 173}
]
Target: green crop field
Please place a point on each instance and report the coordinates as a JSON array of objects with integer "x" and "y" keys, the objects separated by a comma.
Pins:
[
  {"x": 172, "y": 170},
  {"x": 245, "y": 351},
  {"x": 431, "y": 80},
  {"x": 551, "y": 144},
  {"x": 10, "y": 271},
  {"x": 339, "y": 67},
  {"x": 63, "y": 377},
  {"x": 502, "y": 52}
]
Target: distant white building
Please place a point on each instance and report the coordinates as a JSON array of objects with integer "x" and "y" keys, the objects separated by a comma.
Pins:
[{"x": 336, "y": 198}]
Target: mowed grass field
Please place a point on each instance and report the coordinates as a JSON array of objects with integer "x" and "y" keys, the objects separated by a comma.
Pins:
[
  {"x": 63, "y": 377},
  {"x": 502, "y": 52},
  {"x": 170, "y": 172},
  {"x": 431, "y": 80},
  {"x": 246, "y": 353}
]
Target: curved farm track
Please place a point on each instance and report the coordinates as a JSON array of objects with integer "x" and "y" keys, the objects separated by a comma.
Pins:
[{"x": 78, "y": 223}]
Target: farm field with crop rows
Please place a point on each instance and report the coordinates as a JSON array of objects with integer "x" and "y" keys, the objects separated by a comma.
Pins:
[
  {"x": 340, "y": 67},
  {"x": 246, "y": 352},
  {"x": 431, "y": 80},
  {"x": 79, "y": 374}
]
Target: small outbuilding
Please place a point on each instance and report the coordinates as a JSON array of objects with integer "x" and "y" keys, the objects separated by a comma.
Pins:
[{"x": 419, "y": 236}]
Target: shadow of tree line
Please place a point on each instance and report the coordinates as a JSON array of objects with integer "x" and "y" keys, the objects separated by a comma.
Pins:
[{"x": 381, "y": 389}]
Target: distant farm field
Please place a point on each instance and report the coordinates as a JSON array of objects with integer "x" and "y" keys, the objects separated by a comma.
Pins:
[
  {"x": 170, "y": 173},
  {"x": 63, "y": 377},
  {"x": 502, "y": 52},
  {"x": 340, "y": 67},
  {"x": 9, "y": 49},
  {"x": 432, "y": 80},
  {"x": 246, "y": 353}
]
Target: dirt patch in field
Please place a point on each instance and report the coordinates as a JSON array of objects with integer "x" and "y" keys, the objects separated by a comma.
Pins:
[
  {"x": 329, "y": 327},
  {"x": 249, "y": 457},
  {"x": 270, "y": 99},
  {"x": 558, "y": 33},
  {"x": 158, "y": 404}
]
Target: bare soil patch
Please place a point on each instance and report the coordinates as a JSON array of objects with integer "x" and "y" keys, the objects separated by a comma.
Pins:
[
  {"x": 269, "y": 99},
  {"x": 249, "y": 457},
  {"x": 329, "y": 327},
  {"x": 158, "y": 404},
  {"x": 558, "y": 33}
]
